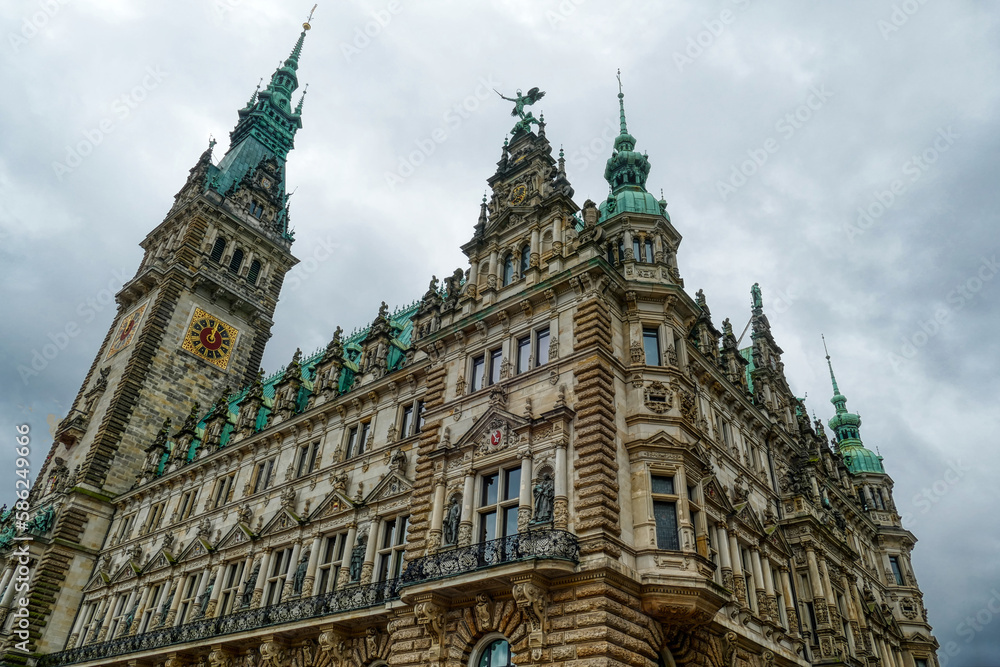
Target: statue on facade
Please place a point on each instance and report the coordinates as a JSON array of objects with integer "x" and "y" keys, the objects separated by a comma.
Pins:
[
  {"x": 205, "y": 597},
  {"x": 544, "y": 496},
  {"x": 521, "y": 101},
  {"x": 758, "y": 301},
  {"x": 358, "y": 558},
  {"x": 451, "y": 521},
  {"x": 248, "y": 587},
  {"x": 300, "y": 574}
]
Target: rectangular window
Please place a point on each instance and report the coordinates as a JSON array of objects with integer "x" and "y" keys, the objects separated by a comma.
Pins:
[
  {"x": 420, "y": 417},
  {"x": 331, "y": 557},
  {"x": 524, "y": 354},
  {"x": 650, "y": 256},
  {"x": 478, "y": 373},
  {"x": 897, "y": 573},
  {"x": 352, "y": 441},
  {"x": 357, "y": 438},
  {"x": 498, "y": 504},
  {"x": 154, "y": 516},
  {"x": 275, "y": 585},
  {"x": 496, "y": 361},
  {"x": 389, "y": 561},
  {"x": 663, "y": 484},
  {"x": 231, "y": 578},
  {"x": 307, "y": 458},
  {"x": 125, "y": 529},
  {"x": 147, "y": 615},
  {"x": 920, "y": 662},
  {"x": 188, "y": 602},
  {"x": 812, "y": 621},
  {"x": 117, "y": 617},
  {"x": 406, "y": 421},
  {"x": 186, "y": 505},
  {"x": 223, "y": 489},
  {"x": 637, "y": 249},
  {"x": 651, "y": 345},
  {"x": 363, "y": 436},
  {"x": 665, "y": 513},
  {"x": 542, "y": 347},
  {"x": 263, "y": 472}
]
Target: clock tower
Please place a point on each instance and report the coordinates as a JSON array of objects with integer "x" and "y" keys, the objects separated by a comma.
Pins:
[{"x": 191, "y": 325}]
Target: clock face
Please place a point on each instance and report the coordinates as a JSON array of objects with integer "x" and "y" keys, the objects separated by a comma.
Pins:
[
  {"x": 265, "y": 181},
  {"x": 518, "y": 194},
  {"x": 126, "y": 331},
  {"x": 210, "y": 338}
]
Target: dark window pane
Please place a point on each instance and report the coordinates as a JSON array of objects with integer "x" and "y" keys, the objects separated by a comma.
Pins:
[
  {"x": 523, "y": 354},
  {"x": 665, "y": 514},
  {"x": 496, "y": 359},
  {"x": 508, "y": 270},
  {"x": 489, "y": 495},
  {"x": 651, "y": 345},
  {"x": 512, "y": 484},
  {"x": 636, "y": 250},
  {"x": 218, "y": 249},
  {"x": 420, "y": 417},
  {"x": 406, "y": 422},
  {"x": 542, "y": 351},
  {"x": 478, "y": 365},
  {"x": 488, "y": 531},
  {"x": 525, "y": 259},
  {"x": 510, "y": 521},
  {"x": 896, "y": 572},
  {"x": 663, "y": 484},
  {"x": 236, "y": 262},
  {"x": 253, "y": 272},
  {"x": 649, "y": 251}
]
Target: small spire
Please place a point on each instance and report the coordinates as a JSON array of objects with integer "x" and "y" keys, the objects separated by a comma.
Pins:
[
  {"x": 833, "y": 378},
  {"x": 621, "y": 103},
  {"x": 298, "y": 107}
]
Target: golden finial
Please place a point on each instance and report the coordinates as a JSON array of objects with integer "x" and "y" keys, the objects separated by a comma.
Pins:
[{"x": 306, "y": 26}]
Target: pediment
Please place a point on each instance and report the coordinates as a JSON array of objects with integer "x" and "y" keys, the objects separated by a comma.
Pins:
[
  {"x": 776, "y": 538},
  {"x": 284, "y": 520},
  {"x": 97, "y": 581},
  {"x": 495, "y": 430},
  {"x": 749, "y": 518},
  {"x": 161, "y": 560},
  {"x": 199, "y": 547},
  {"x": 716, "y": 495},
  {"x": 390, "y": 486},
  {"x": 125, "y": 572},
  {"x": 239, "y": 534},
  {"x": 335, "y": 503}
]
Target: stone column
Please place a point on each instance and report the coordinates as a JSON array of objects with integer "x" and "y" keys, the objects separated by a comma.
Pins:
[
  {"x": 123, "y": 630},
  {"x": 159, "y": 602},
  {"x": 465, "y": 527},
  {"x": 772, "y": 601},
  {"x": 473, "y": 273},
  {"x": 202, "y": 585},
  {"x": 524, "y": 495},
  {"x": 8, "y": 574},
  {"x": 786, "y": 592},
  {"x": 683, "y": 507},
  {"x": 535, "y": 255},
  {"x": 93, "y": 636},
  {"x": 258, "y": 589},
  {"x": 289, "y": 586},
  {"x": 831, "y": 597},
  {"x": 144, "y": 595},
  {"x": 816, "y": 582},
  {"x": 758, "y": 582},
  {"x": 74, "y": 635},
  {"x": 560, "y": 504},
  {"x": 725, "y": 562},
  {"x": 437, "y": 517},
  {"x": 244, "y": 576},
  {"x": 492, "y": 280},
  {"x": 344, "y": 576},
  {"x": 738, "y": 579},
  {"x": 307, "y": 585},
  {"x": 213, "y": 601},
  {"x": 176, "y": 602},
  {"x": 627, "y": 244},
  {"x": 369, "y": 565}
]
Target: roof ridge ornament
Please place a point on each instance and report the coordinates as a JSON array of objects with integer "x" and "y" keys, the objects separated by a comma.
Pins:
[{"x": 521, "y": 101}]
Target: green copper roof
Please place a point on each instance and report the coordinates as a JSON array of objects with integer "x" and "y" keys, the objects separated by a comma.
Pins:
[
  {"x": 626, "y": 173},
  {"x": 747, "y": 353},
  {"x": 847, "y": 426}
]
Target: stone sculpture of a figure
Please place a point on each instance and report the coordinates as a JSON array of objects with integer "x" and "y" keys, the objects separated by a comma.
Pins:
[
  {"x": 451, "y": 521},
  {"x": 544, "y": 495},
  {"x": 300, "y": 574},
  {"x": 358, "y": 558}
]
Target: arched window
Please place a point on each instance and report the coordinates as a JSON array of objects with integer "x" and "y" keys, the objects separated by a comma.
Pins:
[
  {"x": 525, "y": 259},
  {"x": 508, "y": 269},
  {"x": 254, "y": 272},
  {"x": 621, "y": 248},
  {"x": 649, "y": 251},
  {"x": 496, "y": 654},
  {"x": 218, "y": 249},
  {"x": 636, "y": 250},
  {"x": 236, "y": 262}
]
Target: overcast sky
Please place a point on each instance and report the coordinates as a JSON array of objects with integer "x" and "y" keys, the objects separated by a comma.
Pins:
[{"x": 887, "y": 106}]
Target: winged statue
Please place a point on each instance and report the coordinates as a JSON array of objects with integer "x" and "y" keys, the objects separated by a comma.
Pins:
[{"x": 520, "y": 101}]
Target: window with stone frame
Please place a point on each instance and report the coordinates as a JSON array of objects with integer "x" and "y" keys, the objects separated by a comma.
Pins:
[
  {"x": 392, "y": 545},
  {"x": 665, "y": 512},
  {"x": 229, "y": 597},
  {"x": 154, "y": 516},
  {"x": 223, "y": 490},
  {"x": 189, "y": 599},
  {"x": 751, "y": 584},
  {"x": 525, "y": 259},
  {"x": 236, "y": 262},
  {"x": 306, "y": 458},
  {"x": 694, "y": 510},
  {"x": 357, "y": 439},
  {"x": 779, "y": 597},
  {"x": 151, "y": 608},
  {"x": 117, "y": 616},
  {"x": 508, "y": 269},
  {"x": 263, "y": 474},
  {"x": 897, "y": 571},
  {"x": 331, "y": 557},
  {"x": 496, "y": 654},
  {"x": 89, "y": 621},
  {"x": 650, "y": 256},
  {"x": 125, "y": 528},
  {"x": 277, "y": 575},
  {"x": 185, "y": 507},
  {"x": 532, "y": 350},
  {"x": 651, "y": 345},
  {"x": 254, "y": 272},
  {"x": 411, "y": 418},
  {"x": 499, "y": 493},
  {"x": 218, "y": 250}
]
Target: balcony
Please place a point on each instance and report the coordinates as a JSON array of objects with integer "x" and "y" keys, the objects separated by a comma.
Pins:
[
  {"x": 544, "y": 550},
  {"x": 357, "y": 597}
]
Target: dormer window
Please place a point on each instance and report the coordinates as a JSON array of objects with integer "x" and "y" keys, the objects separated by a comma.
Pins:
[
  {"x": 218, "y": 250},
  {"x": 254, "y": 272},
  {"x": 236, "y": 262},
  {"x": 256, "y": 209}
]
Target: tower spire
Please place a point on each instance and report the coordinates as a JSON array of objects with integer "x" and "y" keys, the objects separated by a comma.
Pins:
[
  {"x": 847, "y": 426},
  {"x": 833, "y": 378},
  {"x": 625, "y": 141}
]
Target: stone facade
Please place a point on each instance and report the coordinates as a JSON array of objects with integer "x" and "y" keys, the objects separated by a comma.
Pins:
[{"x": 555, "y": 451}]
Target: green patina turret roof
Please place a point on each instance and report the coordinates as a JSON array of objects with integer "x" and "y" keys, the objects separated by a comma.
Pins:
[
  {"x": 266, "y": 127},
  {"x": 847, "y": 426},
  {"x": 626, "y": 173}
]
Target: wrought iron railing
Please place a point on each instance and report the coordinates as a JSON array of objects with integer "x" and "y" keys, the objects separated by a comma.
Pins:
[
  {"x": 356, "y": 597},
  {"x": 555, "y": 544}
]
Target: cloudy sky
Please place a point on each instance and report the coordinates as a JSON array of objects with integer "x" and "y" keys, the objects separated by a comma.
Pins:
[{"x": 843, "y": 155}]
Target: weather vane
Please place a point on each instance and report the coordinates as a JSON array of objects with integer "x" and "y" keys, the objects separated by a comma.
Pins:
[
  {"x": 309, "y": 18},
  {"x": 521, "y": 101}
]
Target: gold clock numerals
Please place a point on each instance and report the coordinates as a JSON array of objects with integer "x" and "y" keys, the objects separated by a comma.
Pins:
[{"x": 210, "y": 338}]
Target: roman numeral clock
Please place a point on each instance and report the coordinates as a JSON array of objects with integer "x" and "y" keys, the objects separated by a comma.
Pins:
[{"x": 210, "y": 338}]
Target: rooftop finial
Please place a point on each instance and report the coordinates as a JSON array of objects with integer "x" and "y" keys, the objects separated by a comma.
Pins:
[
  {"x": 833, "y": 377},
  {"x": 621, "y": 103},
  {"x": 306, "y": 25}
]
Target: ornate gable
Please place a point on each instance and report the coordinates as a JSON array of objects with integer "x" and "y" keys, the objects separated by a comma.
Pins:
[
  {"x": 335, "y": 503},
  {"x": 284, "y": 520},
  {"x": 240, "y": 534},
  {"x": 716, "y": 495},
  {"x": 496, "y": 430},
  {"x": 97, "y": 581},
  {"x": 199, "y": 547},
  {"x": 161, "y": 560},
  {"x": 125, "y": 572},
  {"x": 391, "y": 486}
]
